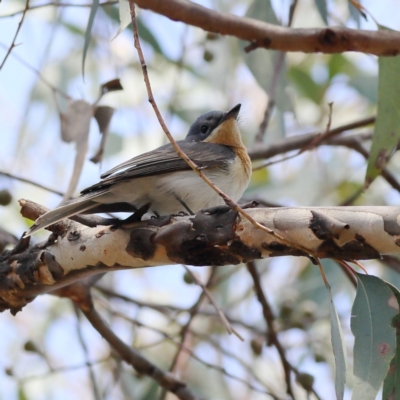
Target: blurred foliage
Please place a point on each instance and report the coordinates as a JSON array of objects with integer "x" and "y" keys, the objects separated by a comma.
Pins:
[{"x": 191, "y": 71}]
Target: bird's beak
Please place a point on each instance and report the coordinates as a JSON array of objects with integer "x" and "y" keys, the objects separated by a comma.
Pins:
[{"x": 231, "y": 114}]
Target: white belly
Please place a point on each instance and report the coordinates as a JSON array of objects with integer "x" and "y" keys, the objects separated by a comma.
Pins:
[{"x": 162, "y": 190}]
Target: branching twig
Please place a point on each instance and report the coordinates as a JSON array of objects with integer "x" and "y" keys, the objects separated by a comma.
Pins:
[
  {"x": 304, "y": 142},
  {"x": 192, "y": 354},
  {"x": 18, "y": 178},
  {"x": 220, "y": 313},
  {"x": 16, "y": 34},
  {"x": 272, "y": 337},
  {"x": 278, "y": 67},
  {"x": 192, "y": 313},
  {"x": 57, "y": 4},
  {"x": 130, "y": 355},
  {"x": 95, "y": 388}
]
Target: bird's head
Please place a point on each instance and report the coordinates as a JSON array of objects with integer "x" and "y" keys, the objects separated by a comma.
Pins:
[{"x": 216, "y": 127}]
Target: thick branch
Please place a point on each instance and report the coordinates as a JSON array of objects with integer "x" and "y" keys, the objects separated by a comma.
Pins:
[
  {"x": 218, "y": 236},
  {"x": 260, "y": 34}
]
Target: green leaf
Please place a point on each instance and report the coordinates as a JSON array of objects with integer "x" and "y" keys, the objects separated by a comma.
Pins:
[
  {"x": 88, "y": 33},
  {"x": 354, "y": 14},
  {"x": 387, "y": 126},
  {"x": 374, "y": 345},
  {"x": 366, "y": 85},
  {"x": 323, "y": 10},
  {"x": 143, "y": 30},
  {"x": 306, "y": 84},
  {"x": 340, "y": 64},
  {"x": 391, "y": 385},
  {"x": 339, "y": 349},
  {"x": 262, "y": 63},
  {"x": 124, "y": 16}
]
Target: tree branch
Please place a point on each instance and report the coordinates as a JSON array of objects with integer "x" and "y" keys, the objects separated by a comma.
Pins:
[
  {"x": 261, "y": 34},
  {"x": 216, "y": 236},
  {"x": 166, "y": 380}
]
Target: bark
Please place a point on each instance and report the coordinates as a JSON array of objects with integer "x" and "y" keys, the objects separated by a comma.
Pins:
[
  {"x": 261, "y": 34},
  {"x": 217, "y": 236}
]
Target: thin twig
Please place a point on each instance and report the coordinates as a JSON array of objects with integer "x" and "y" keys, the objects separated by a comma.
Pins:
[
  {"x": 95, "y": 388},
  {"x": 166, "y": 310},
  {"x": 185, "y": 329},
  {"x": 192, "y": 354},
  {"x": 323, "y": 137},
  {"x": 312, "y": 144},
  {"x": 134, "y": 358},
  {"x": 18, "y": 178},
  {"x": 16, "y": 34},
  {"x": 297, "y": 142},
  {"x": 56, "y": 4},
  {"x": 220, "y": 313},
  {"x": 60, "y": 370},
  {"x": 272, "y": 337},
  {"x": 38, "y": 74},
  {"x": 278, "y": 67}
]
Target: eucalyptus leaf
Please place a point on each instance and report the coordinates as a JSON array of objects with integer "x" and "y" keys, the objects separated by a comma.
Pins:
[
  {"x": 391, "y": 385},
  {"x": 262, "y": 62},
  {"x": 354, "y": 14},
  {"x": 339, "y": 349},
  {"x": 366, "y": 85},
  {"x": 124, "y": 16},
  {"x": 88, "y": 33},
  {"x": 322, "y": 9},
  {"x": 375, "y": 337},
  {"x": 306, "y": 85},
  {"x": 387, "y": 127}
]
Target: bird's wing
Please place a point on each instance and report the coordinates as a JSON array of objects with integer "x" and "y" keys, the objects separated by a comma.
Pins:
[{"x": 165, "y": 159}]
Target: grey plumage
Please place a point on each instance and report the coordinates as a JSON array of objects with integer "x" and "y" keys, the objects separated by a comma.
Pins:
[{"x": 163, "y": 178}]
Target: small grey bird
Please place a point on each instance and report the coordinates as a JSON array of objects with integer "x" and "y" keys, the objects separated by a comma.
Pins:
[{"x": 162, "y": 178}]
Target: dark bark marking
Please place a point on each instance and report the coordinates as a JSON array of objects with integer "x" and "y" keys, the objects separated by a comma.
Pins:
[
  {"x": 390, "y": 225},
  {"x": 349, "y": 251},
  {"x": 140, "y": 243},
  {"x": 56, "y": 270},
  {"x": 325, "y": 227},
  {"x": 205, "y": 241},
  {"x": 277, "y": 249},
  {"x": 73, "y": 235},
  {"x": 246, "y": 253}
]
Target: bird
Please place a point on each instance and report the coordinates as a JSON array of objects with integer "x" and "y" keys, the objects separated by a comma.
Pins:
[{"x": 162, "y": 179}]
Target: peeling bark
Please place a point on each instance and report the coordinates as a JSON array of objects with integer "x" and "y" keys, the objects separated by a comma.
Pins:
[{"x": 217, "y": 236}]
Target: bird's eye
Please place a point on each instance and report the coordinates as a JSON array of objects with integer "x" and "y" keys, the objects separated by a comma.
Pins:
[{"x": 204, "y": 129}]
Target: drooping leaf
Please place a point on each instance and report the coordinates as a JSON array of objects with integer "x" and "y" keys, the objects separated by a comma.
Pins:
[
  {"x": 306, "y": 85},
  {"x": 374, "y": 345},
  {"x": 339, "y": 348},
  {"x": 144, "y": 32},
  {"x": 111, "y": 86},
  {"x": 366, "y": 85},
  {"x": 322, "y": 9},
  {"x": 354, "y": 14},
  {"x": 340, "y": 64},
  {"x": 103, "y": 115},
  {"x": 124, "y": 16},
  {"x": 75, "y": 124},
  {"x": 391, "y": 385},
  {"x": 88, "y": 33},
  {"x": 262, "y": 63},
  {"x": 387, "y": 126}
]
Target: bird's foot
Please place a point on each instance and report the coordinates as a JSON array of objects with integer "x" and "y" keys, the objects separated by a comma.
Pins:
[{"x": 135, "y": 217}]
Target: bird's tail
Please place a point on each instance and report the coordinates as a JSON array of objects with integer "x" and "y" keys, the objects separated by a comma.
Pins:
[{"x": 76, "y": 206}]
